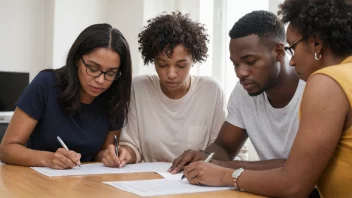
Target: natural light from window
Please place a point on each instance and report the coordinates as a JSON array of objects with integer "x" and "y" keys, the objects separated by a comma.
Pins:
[{"x": 234, "y": 11}]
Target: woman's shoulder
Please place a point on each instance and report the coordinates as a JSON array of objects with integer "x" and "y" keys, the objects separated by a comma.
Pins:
[
  {"x": 45, "y": 77},
  {"x": 207, "y": 82},
  {"x": 147, "y": 80}
]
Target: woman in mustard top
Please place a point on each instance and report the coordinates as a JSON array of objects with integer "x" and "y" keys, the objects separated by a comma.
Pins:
[{"x": 320, "y": 39}]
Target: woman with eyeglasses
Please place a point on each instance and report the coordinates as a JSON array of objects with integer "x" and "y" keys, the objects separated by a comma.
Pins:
[
  {"x": 84, "y": 103},
  {"x": 172, "y": 111},
  {"x": 319, "y": 33}
]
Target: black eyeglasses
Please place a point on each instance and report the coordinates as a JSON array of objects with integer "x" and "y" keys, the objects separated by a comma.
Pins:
[
  {"x": 96, "y": 72},
  {"x": 291, "y": 49}
]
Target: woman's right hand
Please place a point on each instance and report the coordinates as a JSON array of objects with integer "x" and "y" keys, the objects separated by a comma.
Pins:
[
  {"x": 64, "y": 159},
  {"x": 110, "y": 158}
]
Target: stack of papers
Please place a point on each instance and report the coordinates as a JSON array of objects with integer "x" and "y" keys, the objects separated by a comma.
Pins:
[{"x": 158, "y": 187}]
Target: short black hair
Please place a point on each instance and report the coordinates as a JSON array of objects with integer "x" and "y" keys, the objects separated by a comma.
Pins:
[
  {"x": 266, "y": 25},
  {"x": 166, "y": 31},
  {"x": 117, "y": 98},
  {"x": 329, "y": 20}
]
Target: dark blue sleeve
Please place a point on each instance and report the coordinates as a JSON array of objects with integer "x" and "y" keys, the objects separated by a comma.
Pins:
[{"x": 33, "y": 99}]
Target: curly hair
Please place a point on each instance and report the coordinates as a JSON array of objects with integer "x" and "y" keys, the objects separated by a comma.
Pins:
[
  {"x": 329, "y": 20},
  {"x": 166, "y": 31},
  {"x": 265, "y": 24}
]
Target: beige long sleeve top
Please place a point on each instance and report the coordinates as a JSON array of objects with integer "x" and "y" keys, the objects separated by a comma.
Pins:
[{"x": 161, "y": 129}]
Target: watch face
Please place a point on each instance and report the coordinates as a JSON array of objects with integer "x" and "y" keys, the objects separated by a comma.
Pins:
[{"x": 236, "y": 173}]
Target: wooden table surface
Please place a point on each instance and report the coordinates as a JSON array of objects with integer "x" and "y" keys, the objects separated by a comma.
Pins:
[{"x": 23, "y": 182}]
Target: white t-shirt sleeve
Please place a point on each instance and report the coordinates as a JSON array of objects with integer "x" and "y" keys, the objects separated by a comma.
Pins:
[
  {"x": 243, "y": 154},
  {"x": 130, "y": 134},
  {"x": 219, "y": 115},
  {"x": 234, "y": 116}
]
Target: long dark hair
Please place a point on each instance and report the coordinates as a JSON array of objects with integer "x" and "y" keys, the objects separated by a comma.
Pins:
[{"x": 117, "y": 97}]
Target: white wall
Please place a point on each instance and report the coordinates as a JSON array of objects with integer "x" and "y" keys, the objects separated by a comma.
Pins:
[
  {"x": 273, "y": 5},
  {"x": 37, "y": 34},
  {"x": 153, "y": 8},
  {"x": 22, "y": 35},
  {"x": 70, "y": 18},
  {"x": 49, "y": 33},
  {"x": 127, "y": 16},
  {"x": 192, "y": 7}
]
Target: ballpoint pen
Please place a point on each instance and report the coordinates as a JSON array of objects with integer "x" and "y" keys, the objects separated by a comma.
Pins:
[
  {"x": 206, "y": 160},
  {"x": 64, "y": 145},
  {"x": 116, "y": 145}
]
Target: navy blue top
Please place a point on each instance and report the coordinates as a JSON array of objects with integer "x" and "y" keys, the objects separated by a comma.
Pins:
[{"x": 83, "y": 132}]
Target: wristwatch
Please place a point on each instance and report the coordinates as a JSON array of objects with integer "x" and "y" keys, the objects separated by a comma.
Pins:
[{"x": 235, "y": 175}]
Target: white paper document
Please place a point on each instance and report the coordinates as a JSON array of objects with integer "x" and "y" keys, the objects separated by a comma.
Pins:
[
  {"x": 157, "y": 187},
  {"x": 99, "y": 168},
  {"x": 170, "y": 176}
]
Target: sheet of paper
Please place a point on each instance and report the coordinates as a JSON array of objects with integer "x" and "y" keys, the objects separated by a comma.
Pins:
[
  {"x": 99, "y": 168},
  {"x": 170, "y": 176},
  {"x": 159, "y": 187},
  {"x": 1, "y": 163}
]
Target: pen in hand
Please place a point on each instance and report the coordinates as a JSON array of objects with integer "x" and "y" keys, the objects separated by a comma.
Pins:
[
  {"x": 64, "y": 146},
  {"x": 209, "y": 158},
  {"x": 116, "y": 145}
]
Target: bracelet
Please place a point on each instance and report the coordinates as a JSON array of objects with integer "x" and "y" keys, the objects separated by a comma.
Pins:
[
  {"x": 236, "y": 187},
  {"x": 236, "y": 175}
]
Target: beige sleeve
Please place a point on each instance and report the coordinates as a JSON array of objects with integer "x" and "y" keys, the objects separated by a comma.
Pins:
[
  {"x": 219, "y": 115},
  {"x": 130, "y": 133}
]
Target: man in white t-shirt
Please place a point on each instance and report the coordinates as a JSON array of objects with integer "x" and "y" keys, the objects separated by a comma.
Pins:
[{"x": 264, "y": 104}]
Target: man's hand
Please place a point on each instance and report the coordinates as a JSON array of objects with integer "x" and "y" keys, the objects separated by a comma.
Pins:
[{"x": 186, "y": 158}]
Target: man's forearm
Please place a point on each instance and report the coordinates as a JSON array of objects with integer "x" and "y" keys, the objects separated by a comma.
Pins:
[
  {"x": 252, "y": 165},
  {"x": 220, "y": 152}
]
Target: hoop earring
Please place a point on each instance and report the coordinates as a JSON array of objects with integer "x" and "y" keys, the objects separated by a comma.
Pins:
[{"x": 316, "y": 56}]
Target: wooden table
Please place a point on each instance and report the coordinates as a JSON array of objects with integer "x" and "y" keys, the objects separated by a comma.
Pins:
[{"x": 23, "y": 182}]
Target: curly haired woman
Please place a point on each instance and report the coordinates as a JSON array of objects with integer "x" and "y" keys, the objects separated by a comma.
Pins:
[
  {"x": 172, "y": 111},
  {"x": 319, "y": 35}
]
